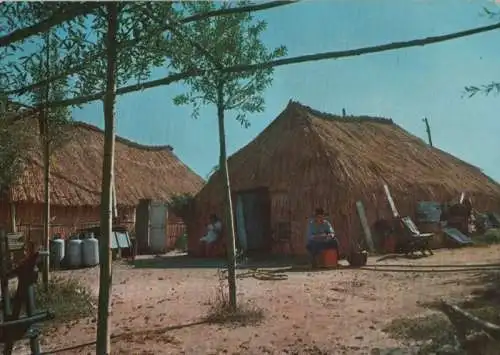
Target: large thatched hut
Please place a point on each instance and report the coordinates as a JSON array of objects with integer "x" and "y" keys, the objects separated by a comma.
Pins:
[
  {"x": 305, "y": 159},
  {"x": 141, "y": 172}
]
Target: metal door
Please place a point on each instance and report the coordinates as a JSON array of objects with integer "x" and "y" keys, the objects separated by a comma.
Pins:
[{"x": 158, "y": 227}]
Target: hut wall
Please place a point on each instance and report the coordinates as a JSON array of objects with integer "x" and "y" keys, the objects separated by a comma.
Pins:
[
  {"x": 196, "y": 226},
  {"x": 297, "y": 205}
]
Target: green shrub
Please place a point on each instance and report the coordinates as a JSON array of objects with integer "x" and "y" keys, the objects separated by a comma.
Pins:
[
  {"x": 491, "y": 236},
  {"x": 67, "y": 298}
]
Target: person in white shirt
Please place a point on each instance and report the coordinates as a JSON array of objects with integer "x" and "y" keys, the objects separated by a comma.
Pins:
[{"x": 214, "y": 229}]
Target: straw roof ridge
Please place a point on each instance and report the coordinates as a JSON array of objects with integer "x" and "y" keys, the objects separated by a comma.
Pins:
[
  {"x": 348, "y": 118},
  {"x": 123, "y": 140},
  {"x": 26, "y": 113}
]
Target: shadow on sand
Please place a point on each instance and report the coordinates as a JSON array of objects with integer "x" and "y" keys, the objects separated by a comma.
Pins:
[
  {"x": 184, "y": 261},
  {"x": 120, "y": 336},
  {"x": 286, "y": 264}
]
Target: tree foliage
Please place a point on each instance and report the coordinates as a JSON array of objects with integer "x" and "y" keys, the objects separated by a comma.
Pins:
[
  {"x": 81, "y": 60},
  {"x": 71, "y": 38},
  {"x": 182, "y": 205},
  {"x": 494, "y": 86},
  {"x": 17, "y": 142},
  {"x": 134, "y": 63},
  {"x": 226, "y": 41}
]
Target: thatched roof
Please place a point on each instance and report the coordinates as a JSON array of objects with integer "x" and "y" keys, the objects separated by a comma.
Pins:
[
  {"x": 349, "y": 157},
  {"x": 76, "y": 165}
]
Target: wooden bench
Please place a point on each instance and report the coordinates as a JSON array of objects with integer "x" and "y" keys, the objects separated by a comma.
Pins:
[{"x": 14, "y": 326}]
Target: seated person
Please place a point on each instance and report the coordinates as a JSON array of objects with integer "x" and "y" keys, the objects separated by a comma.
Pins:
[
  {"x": 320, "y": 235},
  {"x": 214, "y": 229}
]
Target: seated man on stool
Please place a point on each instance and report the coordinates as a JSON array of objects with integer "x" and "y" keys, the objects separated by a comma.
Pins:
[{"x": 320, "y": 235}]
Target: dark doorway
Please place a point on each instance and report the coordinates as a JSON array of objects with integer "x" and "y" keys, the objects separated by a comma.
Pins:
[{"x": 253, "y": 220}]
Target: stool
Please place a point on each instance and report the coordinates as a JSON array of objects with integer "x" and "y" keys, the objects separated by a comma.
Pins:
[
  {"x": 328, "y": 258},
  {"x": 214, "y": 250}
]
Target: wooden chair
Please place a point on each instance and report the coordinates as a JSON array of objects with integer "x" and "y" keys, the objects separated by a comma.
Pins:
[
  {"x": 15, "y": 327},
  {"x": 282, "y": 237}
]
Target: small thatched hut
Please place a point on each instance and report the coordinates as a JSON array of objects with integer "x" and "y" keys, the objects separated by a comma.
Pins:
[
  {"x": 141, "y": 172},
  {"x": 305, "y": 159}
]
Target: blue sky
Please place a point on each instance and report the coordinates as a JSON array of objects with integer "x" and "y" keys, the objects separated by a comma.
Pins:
[{"x": 404, "y": 85}]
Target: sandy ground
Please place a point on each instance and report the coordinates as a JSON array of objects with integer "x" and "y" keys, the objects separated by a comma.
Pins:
[{"x": 157, "y": 308}]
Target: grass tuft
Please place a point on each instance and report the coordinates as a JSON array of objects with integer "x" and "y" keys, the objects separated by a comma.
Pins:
[{"x": 221, "y": 311}]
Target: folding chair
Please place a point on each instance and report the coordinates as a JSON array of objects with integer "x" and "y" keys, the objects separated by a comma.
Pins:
[{"x": 413, "y": 240}]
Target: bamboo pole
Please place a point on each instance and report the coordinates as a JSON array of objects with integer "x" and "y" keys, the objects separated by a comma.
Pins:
[
  {"x": 91, "y": 58},
  {"x": 59, "y": 16},
  {"x": 280, "y": 62}
]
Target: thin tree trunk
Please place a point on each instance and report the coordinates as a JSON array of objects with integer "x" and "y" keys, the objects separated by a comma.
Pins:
[
  {"x": 46, "y": 170},
  {"x": 46, "y": 208},
  {"x": 229, "y": 227},
  {"x": 105, "y": 277}
]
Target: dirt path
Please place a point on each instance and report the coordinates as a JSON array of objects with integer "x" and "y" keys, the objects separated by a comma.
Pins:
[{"x": 339, "y": 311}]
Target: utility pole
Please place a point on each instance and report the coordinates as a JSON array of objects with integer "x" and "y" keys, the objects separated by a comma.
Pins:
[{"x": 428, "y": 129}]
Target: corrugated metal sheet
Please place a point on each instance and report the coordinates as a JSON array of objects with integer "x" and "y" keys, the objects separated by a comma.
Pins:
[{"x": 428, "y": 211}]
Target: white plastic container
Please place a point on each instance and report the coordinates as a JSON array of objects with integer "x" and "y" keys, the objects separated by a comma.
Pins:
[
  {"x": 57, "y": 252},
  {"x": 74, "y": 253},
  {"x": 90, "y": 251}
]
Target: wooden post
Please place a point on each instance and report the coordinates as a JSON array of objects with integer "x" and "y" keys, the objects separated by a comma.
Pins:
[
  {"x": 366, "y": 227},
  {"x": 428, "y": 129},
  {"x": 13, "y": 219},
  {"x": 395, "y": 212},
  {"x": 30, "y": 311},
  {"x": 4, "y": 259}
]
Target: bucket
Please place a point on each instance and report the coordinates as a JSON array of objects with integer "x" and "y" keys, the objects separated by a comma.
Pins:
[
  {"x": 390, "y": 244},
  {"x": 328, "y": 258}
]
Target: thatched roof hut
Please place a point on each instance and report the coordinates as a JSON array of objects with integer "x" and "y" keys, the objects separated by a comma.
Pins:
[
  {"x": 141, "y": 172},
  {"x": 306, "y": 158}
]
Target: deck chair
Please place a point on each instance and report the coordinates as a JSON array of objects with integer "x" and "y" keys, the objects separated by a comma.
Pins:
[{"x": 413, "y": 240}]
